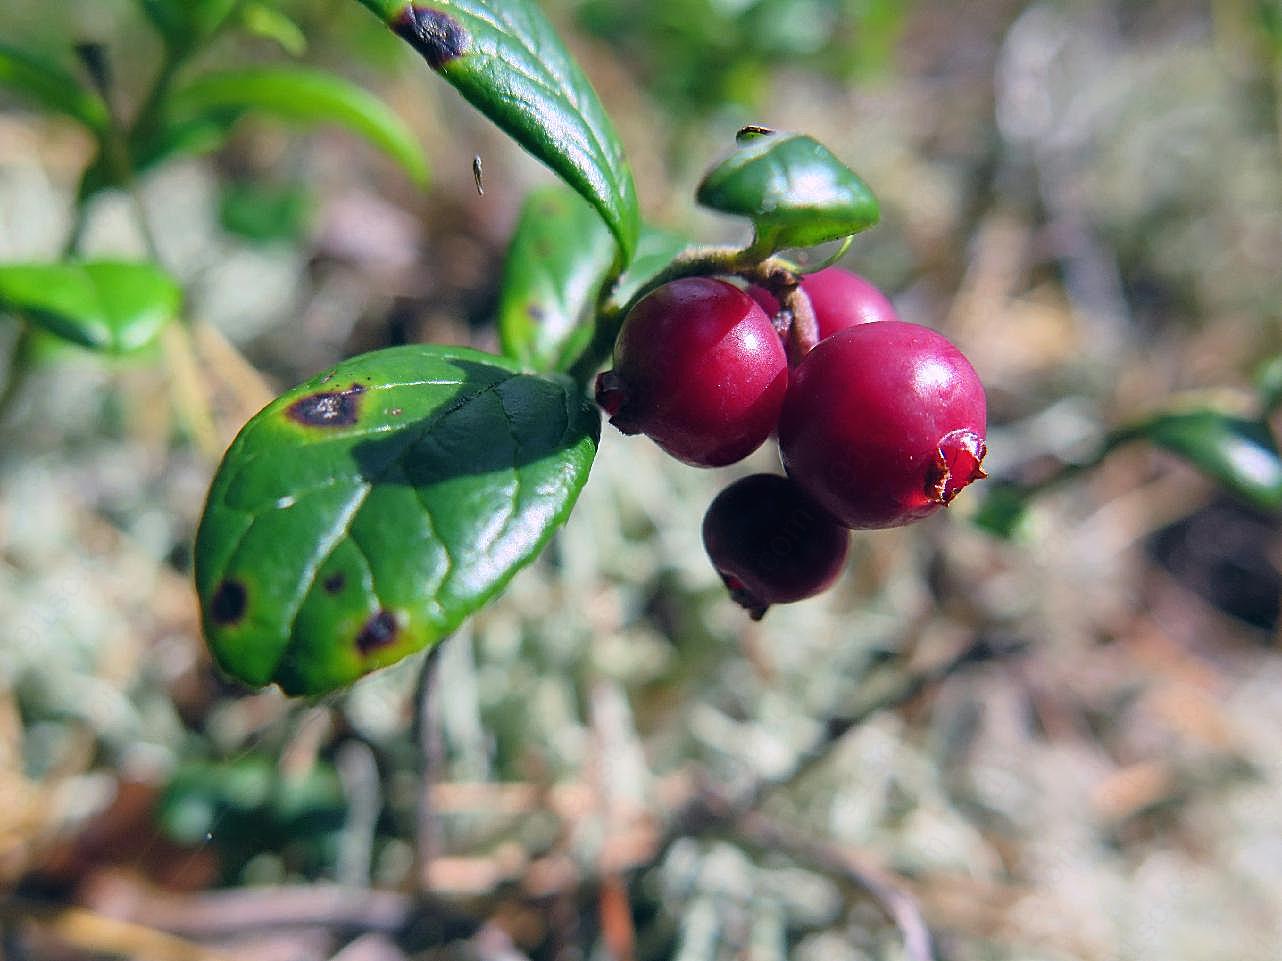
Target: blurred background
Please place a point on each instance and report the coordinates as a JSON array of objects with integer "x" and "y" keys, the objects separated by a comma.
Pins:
[{"x": 1059, "y": 746}]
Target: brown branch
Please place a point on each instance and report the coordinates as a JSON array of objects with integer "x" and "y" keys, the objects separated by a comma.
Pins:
[{"x": 899, "y": 906}]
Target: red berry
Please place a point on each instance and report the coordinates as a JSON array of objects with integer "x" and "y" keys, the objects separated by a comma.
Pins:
[
  {"x": 884, "y": 424},
  {"x": 771, "y": 543},
  {"x": 699, "y": 368},
  {"x": 840, "y": 299}
]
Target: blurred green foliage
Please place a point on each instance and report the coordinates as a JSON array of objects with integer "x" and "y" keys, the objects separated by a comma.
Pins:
[{"x": 697, "y": 55}]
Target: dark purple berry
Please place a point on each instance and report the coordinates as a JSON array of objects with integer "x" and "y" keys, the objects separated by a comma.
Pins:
[{"x": 771, "y": 543}]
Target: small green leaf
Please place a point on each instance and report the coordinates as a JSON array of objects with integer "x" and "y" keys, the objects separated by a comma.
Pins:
[
  {"x": 111, "y": 306},
  {"x": 305, "y": 96},
  {"x": 559, "y": 255},
  {"x": 52, "y": 88},
  {"x": 364, "y": 514},
  {"x": 1238, "y": 454},
  {"x": 796, "y": 193},
  {"x": 186, "y": 24},
  {"x": 266, "y": 21},
  {"x": 265, "y": 213},
  {"x": 507, "y": 60}
]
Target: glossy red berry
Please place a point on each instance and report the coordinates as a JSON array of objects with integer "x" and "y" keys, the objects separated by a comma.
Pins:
[
  {"x": 771, "y": 543},
  {"x": 840, "y": 299},
  {"x": 699, "y": 368},
  {"x": 884, "y": 424}
]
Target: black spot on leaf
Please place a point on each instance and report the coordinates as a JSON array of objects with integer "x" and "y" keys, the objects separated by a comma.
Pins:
[
  {"x": 379, "y": 631},
  {"x": 228, "y": 604},
  {"x": 328, "y": 408},
  {"x": 435, "y": 35},
  {"x": 335, "y": 582}
]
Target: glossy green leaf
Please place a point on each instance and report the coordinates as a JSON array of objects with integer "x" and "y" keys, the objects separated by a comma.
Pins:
[
  {"x": 305, "y": 96},
  {"x": 796, "y": 193},
  {"x": 266, "y": 21},
  {"x": 111, "y": 306},
  {"x": 559, "y": 256},
  {"x": 364, "y": 514},
  {"x": 52, "y": 88},
  {"x": 186, "y": 24},
  {"x": 1239, "y": 454},
  {"x": 507, "y": 60}
]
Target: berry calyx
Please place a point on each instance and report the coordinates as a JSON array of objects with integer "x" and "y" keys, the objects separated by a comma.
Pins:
[
  {"x": 884, "y": 424},
  {"x": 699, "y": 369},
  {"x": 771, "y": 543},
  {"x": 839, "y": 298}
]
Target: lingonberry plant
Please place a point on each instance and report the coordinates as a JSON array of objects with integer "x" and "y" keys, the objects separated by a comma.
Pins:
[{"x": 364, "y": 514}]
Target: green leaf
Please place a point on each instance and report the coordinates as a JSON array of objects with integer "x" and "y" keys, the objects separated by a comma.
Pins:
[
  {"x": 364, "y": 514},
  {"x": 265, "y": 213},
  {"x": 559, "y": 255},
  {"x": 264, "y": 20},
  {"x": 52, "y": 88},
  {"x": 186, "y": 24},
  {"x": 506, "y": 59},
  {"x": 796, "y": 193},
  {"x": 110, "y": 306},
  {"x": 306, "y": 96},
  {"x": 1238, "y": 454}
]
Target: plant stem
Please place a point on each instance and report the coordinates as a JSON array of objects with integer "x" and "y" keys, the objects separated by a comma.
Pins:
[{"x": 16, "y": 374}]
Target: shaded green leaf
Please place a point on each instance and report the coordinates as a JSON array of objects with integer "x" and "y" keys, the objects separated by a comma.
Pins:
[
  {"x": 265, "y": 213},
  {"x": 1238, "y": 454},
  {"x": 364, "y": 514},
  {"x": 111, "y": 306},
  {"x": 796, "y": 193},
  {"x": 186, "y": 24},
  {"x": 52, "y": 88},
  {"x": 305, "y": 96},
  {"x": 507, "y": 60},
  {"x": 559, "y": 256}
]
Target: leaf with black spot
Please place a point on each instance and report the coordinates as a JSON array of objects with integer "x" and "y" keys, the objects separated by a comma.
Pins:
[
  {"x": 364, "y": 514},
  {"x": 506, "y": 59}
]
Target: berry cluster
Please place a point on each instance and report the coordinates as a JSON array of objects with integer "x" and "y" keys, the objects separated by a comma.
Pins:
[{"x": 880, "y": 424}]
